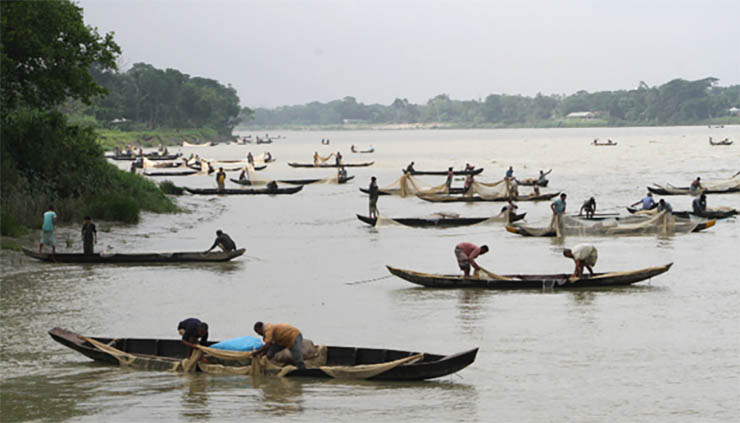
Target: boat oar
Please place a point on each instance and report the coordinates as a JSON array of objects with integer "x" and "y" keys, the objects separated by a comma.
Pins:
[{"x": 492, "y": 275}]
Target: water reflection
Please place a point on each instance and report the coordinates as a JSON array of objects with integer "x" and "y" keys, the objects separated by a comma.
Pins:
[
  {"x": 278, "y": 396},
  {"x": 194, "y": 398},
  {"x": 470, "y": 309}
]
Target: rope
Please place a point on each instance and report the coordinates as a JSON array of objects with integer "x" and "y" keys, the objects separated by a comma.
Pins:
[{"x": 368, "y": 280}]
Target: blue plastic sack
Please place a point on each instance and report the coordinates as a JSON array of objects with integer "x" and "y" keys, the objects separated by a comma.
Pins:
[{"x": 244, "y": 343}]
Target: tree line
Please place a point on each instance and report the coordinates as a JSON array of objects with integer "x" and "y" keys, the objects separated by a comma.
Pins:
[
  {"x": 145, "y": 97},
  {"x": 676, "y": 102}
]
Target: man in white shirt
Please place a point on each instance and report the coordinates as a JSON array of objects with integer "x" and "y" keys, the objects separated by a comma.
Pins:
[{"x": 585, "y": 255}]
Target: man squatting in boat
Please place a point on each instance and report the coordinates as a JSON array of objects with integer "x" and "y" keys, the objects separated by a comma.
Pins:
[
  {"x": 584, "y": 255},
  {"x": 466, "y": 252},
  {"x": 223, "y": 241},
  {"x": 193, "y": 332},
  {"x": 277, "y": 336}
]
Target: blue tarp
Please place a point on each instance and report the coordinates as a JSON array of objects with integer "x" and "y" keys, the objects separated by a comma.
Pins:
[{"x": 244, "y": 343}]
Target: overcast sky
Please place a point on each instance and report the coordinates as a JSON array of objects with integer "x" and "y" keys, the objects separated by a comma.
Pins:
[{"x": 278, "y": 52}]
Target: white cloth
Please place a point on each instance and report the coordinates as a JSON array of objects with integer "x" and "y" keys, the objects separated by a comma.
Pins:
[{"x": 586, "y": 253}]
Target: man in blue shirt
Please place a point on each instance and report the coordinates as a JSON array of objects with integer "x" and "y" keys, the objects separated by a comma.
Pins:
[
  {"x": 47, "y": 230},
  {"x": 510, "y": 172},
  {"x": 647, "y": 203},
  {"x": 558, "y": 206}
]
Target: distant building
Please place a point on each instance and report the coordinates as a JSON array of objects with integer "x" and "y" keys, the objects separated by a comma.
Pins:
[
  {"x": 584, "y": 115},
  {"x": 734, "y": 111}
]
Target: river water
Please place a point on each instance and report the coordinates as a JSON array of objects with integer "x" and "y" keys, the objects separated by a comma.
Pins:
[{"x": 663, "y": 350}]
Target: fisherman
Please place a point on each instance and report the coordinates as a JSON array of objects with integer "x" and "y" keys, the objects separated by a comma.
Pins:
[
  {"x": 589, "y": 206},
  {"x": 510, "y": 172},
  {"x": 466, "y": 252},
  {"x": 223, "y": 241},
  {"x": 373, "y": 194},
  {"x": 193, "y": 332},
  {"x": 647, "y": 203},
  {"x": 47, "y": 230},
  {"x": 468, "y": 182},
  {"x": 558, "y": 206},
  {"x": 352, "y": 149},
  {"x": 243, "y": 175},
  {"x": 276, "y": 337},
  {"x": 89, "y": 235},
  {"x": 316, "y": 159},
  {"x": 585, "y": 255},
  {"x": 469, "y": 167},
  {"x": 696, "y": 185},
  {"x": 543, "y": 177},
  {"x": 220, "y": 178},
  {"x": 536, "y": 190},
  {"x": 268, "y": 157},
  {"x": 664, "y": 205},
  {"x": 699, "y": 205},
  {"x": 410, "y": 168},
  {"x": 510, "y": 208},
  {"x": 250, "y": 158},
  {"x": 339, "y": 158},
  {"x": 450, "y": 176},
  {"x": 341, "y": 173},
  {"x": 116, "y": 151},
  {"x": 272, "y": 186}
]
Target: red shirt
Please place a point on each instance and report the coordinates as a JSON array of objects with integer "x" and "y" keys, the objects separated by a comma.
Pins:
[{"x": 471, "y": 250}]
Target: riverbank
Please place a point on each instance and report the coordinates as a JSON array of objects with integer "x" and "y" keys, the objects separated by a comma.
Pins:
[
  {"x": 109, "y": 138},
  {"x": 544, "y": 124}
]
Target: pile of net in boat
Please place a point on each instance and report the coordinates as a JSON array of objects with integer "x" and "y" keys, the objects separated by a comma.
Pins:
[
  {"x": 244, "y": 363},
  {"x": 317, "y": 160},
  {"x": 382, "y": 220},
  {"x": 711, "y": 184},
  {"x": 662, "y": 223},
  {"x": 408, "y": 185},
  {"x": 653, "y": 212}
]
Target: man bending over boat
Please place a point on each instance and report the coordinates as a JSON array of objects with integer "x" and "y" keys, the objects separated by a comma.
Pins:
[
  {"x": 696, "y": 185},
  {"x": 223, "y": 241},
  {"x": 193, "y": 332},
  {"x": 699, "y": 205},
  {"x": 466, "y": 252},
  {"x": 410, "y": 168},
  {"x": 589, "y": 206},
  {"x": 278, "y": 336},
  {"x": 647, "y": 203},
  {"x": 585, "y": 255}
]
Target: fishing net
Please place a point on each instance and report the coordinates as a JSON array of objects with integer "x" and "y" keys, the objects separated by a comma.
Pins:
[
  {"x": 661, "y": 223},
  {"x": 251, "y": 175},
  {"x": 723, "y": 184},
  {"x": 317, "y": 160},
  {"x": 407, "y": 185}
]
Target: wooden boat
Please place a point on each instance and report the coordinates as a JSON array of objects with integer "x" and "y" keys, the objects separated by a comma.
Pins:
[
  {"x": 604, "y": 144},
  {"x": 215, "y": 191},
  {"x": 150, "y": 156},
  {"x": 473, "y": 199},
  {"x": 530, "y": 183},
  {"x": 170, "y": 351},
  {"x": 381, "y": 192},
  {"x": 519, "y": 230},
  {"x": 291, "y": 181},
  {"x": 723, "y": 142},
  {"x": 231, "y": 169},
  {"x": 444, "y": 172},
  {"x": 555, "y": 281},
  {"x": 708, "y": 214},
  {"x": 446, "y": 222},
  {"x": 177, "y": 257},
  {"x": 370, "y": 150},
  {"x": 261, "y": 141},
  {"x": 172, "y": 173},
  {"x": 205, "y": 144},
  {"x": 659, "y": 190},
  {"x": 366, "y": 164}
]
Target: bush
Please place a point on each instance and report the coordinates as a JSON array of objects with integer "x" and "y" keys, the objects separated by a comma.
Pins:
[
  {"x": 9, "y": 225},
  {"x": 168, "y": 187},
  {"x": 121, "y": 208}
]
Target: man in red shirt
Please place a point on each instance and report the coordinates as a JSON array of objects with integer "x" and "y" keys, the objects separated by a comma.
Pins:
[{"x": 466, "y": 252}]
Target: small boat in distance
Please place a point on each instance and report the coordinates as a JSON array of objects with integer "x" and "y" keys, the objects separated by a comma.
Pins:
[
  {"x": 133, "y": 258},
  {"x": 366, "y": 164},
  {"x": 444, "y": 172},
  {"x": 725, "y": 141},
  {"x": 205, "y": 144},
  {"x": 600, "y": 144}
]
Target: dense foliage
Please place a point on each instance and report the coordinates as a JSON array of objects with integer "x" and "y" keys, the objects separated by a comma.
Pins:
[
  {"x": 147, "y": 97},
  {"x": 46, "y": 55},
  {"x": 676, "y": 102}
]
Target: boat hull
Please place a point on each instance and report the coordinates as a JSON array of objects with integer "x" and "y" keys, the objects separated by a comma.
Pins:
[
  {"x": 172, "y": 350},
  {"x": 555, "y": 281},
  {"x": 687, "y": 191},
  {"x": 444, "y": 172},
  {"x": 180, "y": 257},
  {"x": 214, "y": 191},
  {"x": 475, "y": 199},
  {"x": 366, "y": 164},
  {"x": 435, "y": 223}
]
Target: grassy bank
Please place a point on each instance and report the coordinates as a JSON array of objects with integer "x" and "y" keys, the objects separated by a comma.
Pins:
[{"x": 109, "y": 138}]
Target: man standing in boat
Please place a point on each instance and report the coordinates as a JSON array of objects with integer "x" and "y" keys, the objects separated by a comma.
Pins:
[
  {"x": 338, "y": 158},
  {"x": 89, "y": 236},
  {"x": 373, "y": 193},
  {"x": 410, "y": 168},
  {"x": 450, "y": 176},
  {"x": 466, "y": 252},
  {"x": 193, "y": 332},
  {"x": 223, "y": 241},
  {"x": 220, "y": 178},
  {"x": 584, "y": 255},
  {"x": 278, "y": 336},
  {"x": 664, "y": 206},
  {"x": 47, "y": 230},
  {"x": 558, "y": 206}
]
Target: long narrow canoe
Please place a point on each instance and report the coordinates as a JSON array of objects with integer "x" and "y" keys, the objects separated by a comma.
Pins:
[
  {"x": 172, "y": 173},
  {"x": 473, "y": 199},
  {"x": 557, "y": 281},
  {"x": 444, "y": 172},
  {"x": 152, "y": 156},
  {"x": 529, "y": 183},
  {"x": 687, "y": 191},
  {"x": 169, "y": 351},
  {"x": 205, "y": 144},
  {"x": 291, "y": 181},
  {"x": 177, "y": 257},
  {"x": 708, "y": 214},
  {"x": 381, "y": 192},
  {"x": 606, "y": 144},
  {"x": 728, "y": 142},
  {"x": 231, "y": 169},
  {"x": 448, "y": 222},
  {"x": 520, "y": 230},
  {"x": 366, "y": 164},
  {"x": 215, "y": 191}
]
